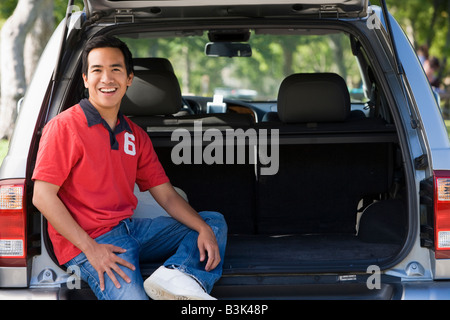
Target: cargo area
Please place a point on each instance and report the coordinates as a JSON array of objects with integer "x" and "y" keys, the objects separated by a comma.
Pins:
[
  {"x": 329, "y": 205},
  {"x": 317, "y": 185}
]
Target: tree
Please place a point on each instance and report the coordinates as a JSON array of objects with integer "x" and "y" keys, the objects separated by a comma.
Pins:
[
  {"x": 427, "y": 22},
  {"x": 13, "y": 35}
]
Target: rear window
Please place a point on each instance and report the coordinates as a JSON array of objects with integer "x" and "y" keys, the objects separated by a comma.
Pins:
[{"x": 256, "y": 78}]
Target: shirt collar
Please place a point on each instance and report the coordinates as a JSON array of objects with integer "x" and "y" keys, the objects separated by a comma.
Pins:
[{"x": 93, "y": 117}]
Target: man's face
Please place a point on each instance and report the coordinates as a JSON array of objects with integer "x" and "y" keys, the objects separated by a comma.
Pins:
[{"x": 106, "y": 78}]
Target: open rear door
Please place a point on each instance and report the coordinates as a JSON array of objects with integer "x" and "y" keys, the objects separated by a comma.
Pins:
[{"x": 145, "y": 9}]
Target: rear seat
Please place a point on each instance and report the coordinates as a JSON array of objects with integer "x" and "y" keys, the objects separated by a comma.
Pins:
[
  {"x": 313, "y": 98},
  {"x": 154, "y": 101},
  {"x": 327, "y": 163},
  {"x": 319, "y": 103}
]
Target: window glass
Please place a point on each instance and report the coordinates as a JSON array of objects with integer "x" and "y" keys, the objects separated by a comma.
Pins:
[{"x": 255, "y": 78}]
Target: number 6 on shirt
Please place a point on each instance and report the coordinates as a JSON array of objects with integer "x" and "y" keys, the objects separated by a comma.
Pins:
[{"x": 128, "y": 146}]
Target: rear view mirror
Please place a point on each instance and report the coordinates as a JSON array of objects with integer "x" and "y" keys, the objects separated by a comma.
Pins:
[{"x": 228, "y": 49}]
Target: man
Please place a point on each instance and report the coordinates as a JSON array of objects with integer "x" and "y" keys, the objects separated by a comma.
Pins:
[{"x": 90, "y": 156}]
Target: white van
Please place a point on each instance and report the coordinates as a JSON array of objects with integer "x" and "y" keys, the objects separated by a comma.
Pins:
[{"x": 310, "y": 126}]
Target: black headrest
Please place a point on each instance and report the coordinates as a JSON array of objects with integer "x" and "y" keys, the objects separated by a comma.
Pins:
[
  {"x": 155, "y": 89},
  {"x": 313, "y": 97}
]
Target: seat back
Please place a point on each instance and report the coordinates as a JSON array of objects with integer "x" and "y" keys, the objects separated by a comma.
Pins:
[
  {"x": 155, "y": 103},
  {"x": 313, "y": 97},
  {"x": 155, "y": 90}
]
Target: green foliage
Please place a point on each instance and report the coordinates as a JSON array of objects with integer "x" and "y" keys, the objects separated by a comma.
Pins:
[
  {"x": 426, "y": 22},
  {"x": 6, "y": 9},
  {"x": 274, "y": 57},
  {"x": 59, "y": 9}
]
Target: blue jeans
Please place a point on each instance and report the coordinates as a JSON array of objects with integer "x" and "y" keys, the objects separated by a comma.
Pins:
[{"x": 154, "y": 240}]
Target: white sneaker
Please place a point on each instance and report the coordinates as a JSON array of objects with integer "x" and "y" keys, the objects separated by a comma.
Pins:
[{"x": 172, "y": 284}]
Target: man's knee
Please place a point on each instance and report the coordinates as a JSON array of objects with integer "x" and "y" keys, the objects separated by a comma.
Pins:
[{"x": 214, "y": 218}]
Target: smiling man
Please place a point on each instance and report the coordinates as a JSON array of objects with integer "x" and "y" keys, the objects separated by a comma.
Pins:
[
  {"x": 90, "y": 156},
  {"x": 107, "y": 78}
]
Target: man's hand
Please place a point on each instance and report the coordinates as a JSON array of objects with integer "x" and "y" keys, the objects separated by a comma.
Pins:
[
  {"x": 103, "y": 258},
  {"x": 207, "y": 244}
]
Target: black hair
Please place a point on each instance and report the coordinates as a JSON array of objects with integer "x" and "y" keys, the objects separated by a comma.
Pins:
[{"x": 105, "y": 41}]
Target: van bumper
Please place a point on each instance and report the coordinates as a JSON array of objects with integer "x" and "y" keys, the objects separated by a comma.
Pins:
[
  {"x": 30, "y": 294},
  {"x": 421, "y": 290},
  {"x": 426, "y": 290}
]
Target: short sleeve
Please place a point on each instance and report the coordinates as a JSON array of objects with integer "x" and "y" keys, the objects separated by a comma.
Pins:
[{"x": 58, "y": 153}]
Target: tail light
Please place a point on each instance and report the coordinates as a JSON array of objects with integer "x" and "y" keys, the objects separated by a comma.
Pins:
[
  {"x": 442, "y": 214},
  {"x": 12, "y": 223}
]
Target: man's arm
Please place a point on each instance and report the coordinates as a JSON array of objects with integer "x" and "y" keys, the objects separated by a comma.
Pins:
[
  {"x": 180, "y": 210},
  {"x": 101, "y": 256}
]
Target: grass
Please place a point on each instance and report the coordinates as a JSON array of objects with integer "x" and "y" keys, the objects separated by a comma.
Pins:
[{"x": 3, "y": 149}]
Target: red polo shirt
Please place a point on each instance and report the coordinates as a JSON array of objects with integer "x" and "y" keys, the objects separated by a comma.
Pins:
[{"x": 96, "y": 169}]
